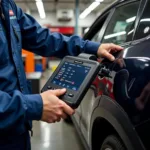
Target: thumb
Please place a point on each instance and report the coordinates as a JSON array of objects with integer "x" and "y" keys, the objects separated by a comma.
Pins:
[{"x": 58, "y": 92}]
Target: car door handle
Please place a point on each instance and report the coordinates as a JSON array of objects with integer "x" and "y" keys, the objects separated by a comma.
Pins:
[{"x": 104, "y": 72}]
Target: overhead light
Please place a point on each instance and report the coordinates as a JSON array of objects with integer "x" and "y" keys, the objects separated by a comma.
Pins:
[
  {"x": 88, "y": 10},
  {"x": 114, "y": 35},
  {"x": 40, "y": 8},
  {"x": 131, "y": 19}
]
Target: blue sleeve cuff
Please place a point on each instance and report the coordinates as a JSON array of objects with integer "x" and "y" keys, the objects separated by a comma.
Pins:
[
  {"x": 91, "y": 47},
  {"x": 34, "y": 107}
]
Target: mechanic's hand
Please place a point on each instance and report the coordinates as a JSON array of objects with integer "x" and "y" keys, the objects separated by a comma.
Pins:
[
  {"x": 105, "y": 50},
  {"x": 53, "y": 108}
]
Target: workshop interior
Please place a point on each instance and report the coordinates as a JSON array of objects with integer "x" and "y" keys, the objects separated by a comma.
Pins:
[{"x": 111, "y": 99}]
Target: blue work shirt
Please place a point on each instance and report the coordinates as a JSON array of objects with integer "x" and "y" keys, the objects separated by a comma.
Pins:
[{"x": 18, "y": 107}]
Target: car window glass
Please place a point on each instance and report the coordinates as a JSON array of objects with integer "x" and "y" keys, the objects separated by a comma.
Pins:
[
  {"x": 120, "y": 27},
  {"x": 96, "y": 37},
  {"x": 143, "y": 29}
]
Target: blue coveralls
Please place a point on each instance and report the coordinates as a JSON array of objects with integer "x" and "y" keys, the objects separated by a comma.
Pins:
[{"x": 17, "y": 106}]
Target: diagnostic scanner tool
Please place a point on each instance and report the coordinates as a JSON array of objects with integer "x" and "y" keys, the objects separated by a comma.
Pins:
[{"x": 76, "y": 74}]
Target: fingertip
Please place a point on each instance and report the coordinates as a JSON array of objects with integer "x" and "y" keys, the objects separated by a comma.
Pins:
[
  {"x": 109, "y": 56},
  {"x": 112, "y": 58},
  {"x": 120, "y": 48},
  {"x": 63, "y": 90},
  {"x": 68, "y": 110},
  {"x": 73, "y": 112}
]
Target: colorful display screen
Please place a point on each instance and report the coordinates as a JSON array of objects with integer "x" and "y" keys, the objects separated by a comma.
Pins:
[{"x": 71, "y": 75}]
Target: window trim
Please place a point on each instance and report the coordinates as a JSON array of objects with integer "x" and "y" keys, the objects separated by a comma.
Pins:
[
  {"x": 141, "y": 10},
  {"x": 102, "y": 32}
]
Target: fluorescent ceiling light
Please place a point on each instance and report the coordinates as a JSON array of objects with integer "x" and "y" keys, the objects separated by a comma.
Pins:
[
  {"x": 131, "y": 19},
  {"x": 88, "y": 10},
  {"x": 40, "y": 8},
  {"x": 145, "y": 20},
  {"x": 114, "y": 35}
]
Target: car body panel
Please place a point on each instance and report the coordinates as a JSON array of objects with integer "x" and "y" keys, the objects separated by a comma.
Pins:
[
  {"x": 88, "y": 104},
  {"x": 117, "y": 117},
  {"x": 123, "y": 99},
  {"x": 131, "y": 77}
]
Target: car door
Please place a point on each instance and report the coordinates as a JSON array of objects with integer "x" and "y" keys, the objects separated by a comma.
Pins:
[
  {"x": 117, "y": 30},
  {"x": 131, "y": 77}
]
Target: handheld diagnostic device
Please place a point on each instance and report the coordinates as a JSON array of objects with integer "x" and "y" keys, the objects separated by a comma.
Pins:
[{"x": 76, "y": 75}]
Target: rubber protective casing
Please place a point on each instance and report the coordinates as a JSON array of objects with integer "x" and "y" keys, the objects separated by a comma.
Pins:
[{"x": 80, "y": 93}]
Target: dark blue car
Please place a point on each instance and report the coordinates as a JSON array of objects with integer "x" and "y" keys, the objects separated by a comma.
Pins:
[{"x": 115, "y": 112}]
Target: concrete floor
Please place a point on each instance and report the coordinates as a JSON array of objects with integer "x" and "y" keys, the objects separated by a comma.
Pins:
[{"x": 58, "y": 136}]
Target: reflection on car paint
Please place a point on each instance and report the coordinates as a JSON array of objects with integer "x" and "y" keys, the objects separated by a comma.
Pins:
[
  {"x": 103, "y": 86},
  {"x": 132, "y": 86}
]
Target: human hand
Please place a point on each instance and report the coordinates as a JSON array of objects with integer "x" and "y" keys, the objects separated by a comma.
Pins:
[
  {"x": 53, "y": 108},
  {"x": 105, "y": 50}
]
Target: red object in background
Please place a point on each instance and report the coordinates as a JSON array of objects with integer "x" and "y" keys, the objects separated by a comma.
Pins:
[{"x": 63, "y": 30}]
